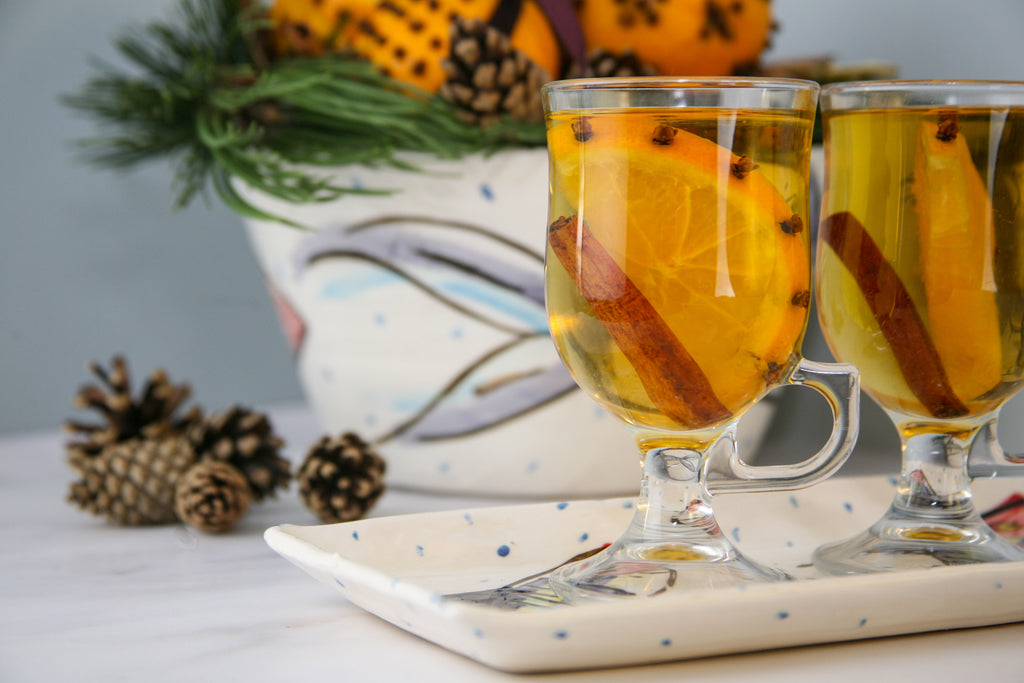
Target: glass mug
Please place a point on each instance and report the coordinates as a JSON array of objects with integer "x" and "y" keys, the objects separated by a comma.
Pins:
[
  {"x": 678, "y": 285},
  {"x": 920, "y": 283}
]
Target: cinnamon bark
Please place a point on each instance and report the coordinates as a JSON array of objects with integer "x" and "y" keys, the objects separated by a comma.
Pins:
[
  {"x": 673, "y": 380},
  {"x": 895, "y": 313}
]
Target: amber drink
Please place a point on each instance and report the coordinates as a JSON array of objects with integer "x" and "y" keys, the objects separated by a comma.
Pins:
[
  {"x": 678, "y": 270},
  {"x": 920, "y": 271}
]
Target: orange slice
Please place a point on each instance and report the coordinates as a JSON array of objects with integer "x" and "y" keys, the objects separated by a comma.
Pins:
[
  {"x": 706, "y": 238},
  {"x": 957, "y": 244}
]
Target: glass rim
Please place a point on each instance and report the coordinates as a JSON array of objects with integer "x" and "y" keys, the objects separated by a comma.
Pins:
[
  {"x": 900, "y": 85},
  {"x": 912, "y": 94},
  {"x": 625, "y": 83}
]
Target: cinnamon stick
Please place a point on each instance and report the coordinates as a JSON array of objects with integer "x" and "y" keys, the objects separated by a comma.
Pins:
[
  {"x": 895, "y": 313},
  {"x": 673, "y": 380}
]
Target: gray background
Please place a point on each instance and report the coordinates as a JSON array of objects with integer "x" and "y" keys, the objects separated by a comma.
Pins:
[{"x": 93, "y": 263}]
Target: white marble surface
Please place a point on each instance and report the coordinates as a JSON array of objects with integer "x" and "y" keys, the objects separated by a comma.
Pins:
[{"x": 81, "y": 600}]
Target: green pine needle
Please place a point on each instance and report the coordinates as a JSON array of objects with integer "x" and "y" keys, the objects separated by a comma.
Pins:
[{"x": 198, "y": 97}]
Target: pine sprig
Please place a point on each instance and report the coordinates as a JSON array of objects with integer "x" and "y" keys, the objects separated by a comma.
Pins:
[{"x": 204, "y": 94}]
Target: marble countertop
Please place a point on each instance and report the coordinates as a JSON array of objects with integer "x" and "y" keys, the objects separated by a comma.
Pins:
[{"x": 82, "y": 600}]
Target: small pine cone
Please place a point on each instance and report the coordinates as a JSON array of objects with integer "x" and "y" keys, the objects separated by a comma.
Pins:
[
  {"x": 153, "y": 414},
  {"x": 245, "y": 439},
  {"x": 133, "y": 482},
  {"x": 486, "y": 78},
  {"x": 341, "y": 478},
  {"x": 212, "y": 496},
  {"x": 604, "y": 64}
]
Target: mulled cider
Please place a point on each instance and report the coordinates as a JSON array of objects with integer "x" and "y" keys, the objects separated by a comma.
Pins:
[
  {"x": 919, "y": 273},
  {"x": 678, "y": 269}
]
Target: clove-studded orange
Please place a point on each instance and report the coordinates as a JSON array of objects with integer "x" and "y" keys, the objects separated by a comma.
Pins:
[
  {"x": 312, "y": 27},
  {"x": 408, "y": 39},
  {"x": 681, "y": 37}
]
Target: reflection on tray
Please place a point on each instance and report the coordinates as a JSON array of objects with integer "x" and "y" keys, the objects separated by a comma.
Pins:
[{"x": 530, "y": 591}]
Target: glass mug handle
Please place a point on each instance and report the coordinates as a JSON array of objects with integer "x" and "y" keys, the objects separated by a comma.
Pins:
[
  {"x": 988, "y": 459},
  {"x": 839, "y": 383}
]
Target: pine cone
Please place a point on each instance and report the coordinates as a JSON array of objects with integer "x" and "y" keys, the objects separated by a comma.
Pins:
[
  {"x": 151, "y": 415},
  {"x": 605, "y": 64},
  {"x": 341, "y": 478},
  {"x": 212, "y": 496},
  {"x": 245, "y": 439},
  {"x": 486, "y": 78},
  {"x": 132, "y": 482}
]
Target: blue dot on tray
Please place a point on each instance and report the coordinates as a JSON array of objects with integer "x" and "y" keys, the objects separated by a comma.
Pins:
[
  {"x": 861, "y": 622},
  {"x": 355, "y": 535},
  {"x": 486, "y": 191},
  {"x": 504, "y": 550},
  {"x": 584, "y": 536},
  {"x": 666, "y": 642},
  {"x": 782, "y": 614},
  {"x": 561, "y": 635},
  {"x": 848, "y": 507},
  {"x": 419, "y": 550}
]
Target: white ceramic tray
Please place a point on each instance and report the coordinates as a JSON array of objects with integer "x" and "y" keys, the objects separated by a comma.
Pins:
[{"x": 401, "y": 568}]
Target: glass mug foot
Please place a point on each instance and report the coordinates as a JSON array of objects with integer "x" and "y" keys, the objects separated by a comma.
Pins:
[
  {"x": 625, "y": 569},
  {"x": 673, "y": 542},
  {"x": 899, "y": 541}
]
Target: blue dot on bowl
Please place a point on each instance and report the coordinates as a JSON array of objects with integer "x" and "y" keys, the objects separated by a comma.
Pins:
[
  {"x": 504, "y": 550},
  {"x": 666, "y": 642},
  {"x": 486, "y": 191},
  {"x": 584, "y": 536},
  {"x": 561, "y": 635},
  {"x": 355, "y": 535},
  {"x": 782, "y": 614},
  {"x": 562, "y": 505}
]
